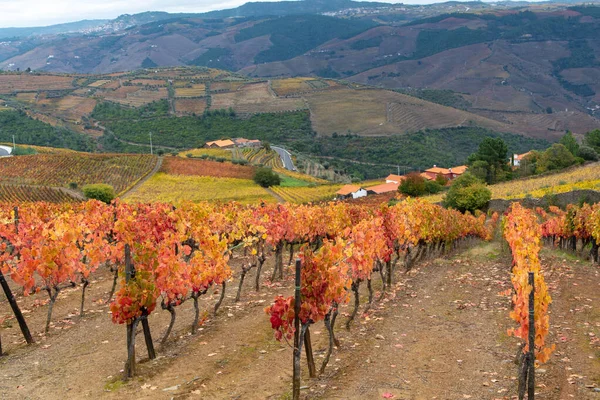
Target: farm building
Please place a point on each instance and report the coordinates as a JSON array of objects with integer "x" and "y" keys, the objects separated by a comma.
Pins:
[
  {"x": 350, "y": 191},
  {"x": 450, "y": 173},
  {"x": 517, "y": 158},
  {"x": 6, "y": 151},
  {"x": 394, "y": 179},
  {"x": 220, "y": 144},
  {"x": 458, "y": 171},
  {"x": 242, "y": 142},
  {"x": 383, "y": 188},
  {"x": 432, "y": 173}
]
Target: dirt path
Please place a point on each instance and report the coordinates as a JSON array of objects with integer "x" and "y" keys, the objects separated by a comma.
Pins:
[
  {"x": 278, "y": 197},
  {"x": 440, "y": 335},
  {"x": 144, "y": 179}
]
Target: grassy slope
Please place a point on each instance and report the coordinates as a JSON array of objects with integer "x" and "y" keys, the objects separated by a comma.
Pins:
[{"x": 176, "y": 189}]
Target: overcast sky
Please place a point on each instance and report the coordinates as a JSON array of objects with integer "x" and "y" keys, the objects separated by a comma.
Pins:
[{"x": 18, "y": 13}]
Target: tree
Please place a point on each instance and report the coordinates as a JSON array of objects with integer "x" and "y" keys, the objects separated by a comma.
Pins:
[
  {"x": 587, "y": 153},
  {"x": 569, "y": 141},
  {"x": 480, "y": 169},
  {"x": 265, "y": 177},
  {"x": 441, "y": 180},
  {"x": 556, "y": 157},
  {"x": 592, "y": 139},
  {"x": 102, "y": 192},
  {"x": 494, "y": 152},
  {"x": 414, "y": 185},
  {"x": 467, "y": 193}
]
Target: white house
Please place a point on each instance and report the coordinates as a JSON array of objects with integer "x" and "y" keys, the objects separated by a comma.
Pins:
[
  {"x": 353, "y": 191},
  {"x": 517, "y": 158}
]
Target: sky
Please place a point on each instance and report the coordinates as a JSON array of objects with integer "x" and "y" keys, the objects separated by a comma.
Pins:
[{"x": 31, "y": 13}]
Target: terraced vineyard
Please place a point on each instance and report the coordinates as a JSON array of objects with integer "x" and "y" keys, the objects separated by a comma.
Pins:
[
  {"x": 120, "y": 171},
  {"x": 197, "y": 90},
  {"x": 263, "y": 156},
  {"x": 71, "y": 107},
  {"x": 32, "y": 83},
  {"x": 300, "y": 176},
  {"x": 99, "y": 83},
  {"x": 299, "y": 195},
  {"x": 23, "y": 193},
  {"x": 134, "y": 96},
  {"x": 228, "y": 86},
  {"x": 176, "y": 189},
  {"x": 255, "y": 98},
  {"x": 190, "y": 106}
]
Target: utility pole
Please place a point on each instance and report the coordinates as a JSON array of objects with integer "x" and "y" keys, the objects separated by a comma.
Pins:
[
  {"x": 151, "y": 151},
  {"x": 398, "y": 169}
]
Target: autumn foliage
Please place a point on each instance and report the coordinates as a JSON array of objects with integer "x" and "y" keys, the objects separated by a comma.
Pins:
[{"x": 523, "y": 234}]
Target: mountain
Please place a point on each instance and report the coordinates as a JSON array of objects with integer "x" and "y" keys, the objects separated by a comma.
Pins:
[
  {"x": 534, "y": 68},
  {"x": 256, "y": 9}
]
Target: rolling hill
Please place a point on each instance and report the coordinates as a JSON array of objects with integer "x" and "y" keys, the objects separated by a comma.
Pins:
[{"x": 317, "y": 118}]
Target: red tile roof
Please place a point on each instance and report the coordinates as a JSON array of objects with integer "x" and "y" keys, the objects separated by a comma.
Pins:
[
  {"x": 395, "y": 178},
  {"x": 459, "y": 170},
  {"x": 437, "y": 170},
  {"x": 221, "y": 143},
  {"x": 384, "y": 188}
]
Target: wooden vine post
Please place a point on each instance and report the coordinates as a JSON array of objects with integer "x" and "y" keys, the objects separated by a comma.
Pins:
[
  {"x": 11, "y": 298},
  {"x": 312, "y": 369},
  {"x": 131, "y": 325},
  {"x": 297, "y": 350},
  {"x": 531, "y": 339},
  {"x": 16, "y": 310}
]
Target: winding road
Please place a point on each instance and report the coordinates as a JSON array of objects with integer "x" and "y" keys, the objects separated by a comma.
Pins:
[{"x": 286, "y": 157}]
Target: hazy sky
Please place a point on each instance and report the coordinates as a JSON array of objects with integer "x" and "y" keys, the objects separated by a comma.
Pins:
[{"x": 17, "y": 13}]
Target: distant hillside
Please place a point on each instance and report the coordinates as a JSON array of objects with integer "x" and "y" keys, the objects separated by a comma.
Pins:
[{"x": 353, "y": 129}]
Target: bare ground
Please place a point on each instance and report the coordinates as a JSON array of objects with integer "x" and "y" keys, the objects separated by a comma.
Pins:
[{"x": 441, "y": 334}]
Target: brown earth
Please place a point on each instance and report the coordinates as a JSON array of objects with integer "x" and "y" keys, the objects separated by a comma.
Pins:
[{"x": 440, "y": 334}]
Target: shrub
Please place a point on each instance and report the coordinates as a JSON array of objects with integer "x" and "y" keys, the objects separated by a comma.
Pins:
[
  {"x": 587, "y": 153},
  {"x": 265, "y": 177},
  {"x": 414, "y": 185},
  {"x": 467, "y": 193},
  {"x": 100, "y": 191},
  {"x": 73, "y": 185},
  {"x": 23, "y": 151},
  {"x": 556, "y": 157},
  {"x": 433, "y": 187}
]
